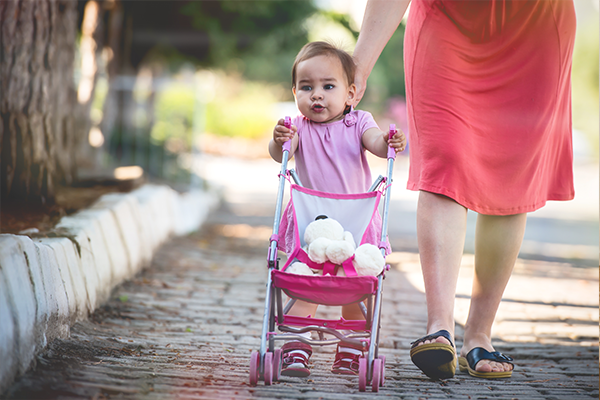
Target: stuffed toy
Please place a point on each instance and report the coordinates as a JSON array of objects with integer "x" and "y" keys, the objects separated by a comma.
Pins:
[
  {"x": 368, "y": 260},
  {"x": 323, "y": 227},
  {"x": 299, "y": 268},
  {"x": 326, "y": 240}
]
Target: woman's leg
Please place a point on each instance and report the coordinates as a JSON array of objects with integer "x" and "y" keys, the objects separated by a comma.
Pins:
[
  {"x": 441, "y": 227},
  {"x": 497, "y": 243}
]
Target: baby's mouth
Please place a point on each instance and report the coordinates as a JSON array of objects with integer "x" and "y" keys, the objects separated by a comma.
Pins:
[{"x": 317, "y": 108}]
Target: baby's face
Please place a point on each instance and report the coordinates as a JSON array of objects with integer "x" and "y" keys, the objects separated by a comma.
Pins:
[{"x": 322, "y": 90}]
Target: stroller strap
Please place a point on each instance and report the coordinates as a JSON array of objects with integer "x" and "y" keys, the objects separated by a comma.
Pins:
[{"x": 327, "y": 267}]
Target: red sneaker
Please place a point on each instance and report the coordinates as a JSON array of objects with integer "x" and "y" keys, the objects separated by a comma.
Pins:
[{"x": 295, "y": 359}]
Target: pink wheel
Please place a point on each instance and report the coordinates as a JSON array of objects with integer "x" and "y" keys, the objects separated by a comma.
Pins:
[
  {"x": 382, "y": 358},
  {"x": 254, "y": 368},
  {"x": 268, "y": 369},
  {"x": 376, "y": 381},
  {"x": 362, "y": 374},
  {"x": 277, "y": 357}
]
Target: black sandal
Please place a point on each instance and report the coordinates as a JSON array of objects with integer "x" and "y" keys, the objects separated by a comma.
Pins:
[
  {"x": 436, "y": 360},
  {"x": 468, "y": 363}
]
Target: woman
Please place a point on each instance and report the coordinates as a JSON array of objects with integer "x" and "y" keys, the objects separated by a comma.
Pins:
[{"x": 488, "y": 92}]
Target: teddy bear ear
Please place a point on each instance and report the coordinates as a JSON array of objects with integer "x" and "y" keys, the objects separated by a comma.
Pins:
[{"x": 348, "y": 237}]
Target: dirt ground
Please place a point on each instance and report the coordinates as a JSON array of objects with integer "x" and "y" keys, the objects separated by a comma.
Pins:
[{"x": 26, "y": 218}]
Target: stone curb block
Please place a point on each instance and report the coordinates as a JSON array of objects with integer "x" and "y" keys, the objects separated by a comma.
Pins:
[{"x": 48, "y": 284}]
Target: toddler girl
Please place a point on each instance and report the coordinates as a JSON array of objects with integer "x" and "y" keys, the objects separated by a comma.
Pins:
[{"x": 329, "y": 140}]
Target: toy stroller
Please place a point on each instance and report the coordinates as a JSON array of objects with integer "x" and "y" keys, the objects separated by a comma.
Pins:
[{"x": 355, "y": 212}]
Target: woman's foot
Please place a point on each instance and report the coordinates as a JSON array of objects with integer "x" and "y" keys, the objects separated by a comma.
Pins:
[
  {"x": 487, "y": 360},
  {"x": 435, "y": 355}
]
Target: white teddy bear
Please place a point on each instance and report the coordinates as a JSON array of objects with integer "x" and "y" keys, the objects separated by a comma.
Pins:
[
  {"x": 299, "y": 268},
  {"x": 326, "y": 240},
  {"x": 368, "y": 260}
]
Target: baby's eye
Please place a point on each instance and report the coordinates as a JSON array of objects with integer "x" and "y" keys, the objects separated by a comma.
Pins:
[
  {"x": 329, "y": 86},
  {"x": 306, "y": 87}
]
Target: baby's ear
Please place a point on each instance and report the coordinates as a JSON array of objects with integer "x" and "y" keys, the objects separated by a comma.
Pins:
[{"x": 351, "y": 94}]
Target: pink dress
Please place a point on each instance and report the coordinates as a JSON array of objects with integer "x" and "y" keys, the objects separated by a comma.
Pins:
[
  {"x": 489, "y": 95},
  {"x": 331, "y": 158}
]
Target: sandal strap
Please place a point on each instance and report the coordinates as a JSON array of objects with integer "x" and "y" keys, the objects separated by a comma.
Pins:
[
  {"x": 441, "y": 333},
  {"x": 296, "y": 346},
  {"x": 346, "y": 360},
  {"x": 341, "y": 363},
  {"x": 479, "y": 353},
  {"x": 293, "y": 357}
]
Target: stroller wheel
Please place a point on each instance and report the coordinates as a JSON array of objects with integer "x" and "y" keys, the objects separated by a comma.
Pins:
[
  {"x": 382, "y": 358},
  {"x": 268, "y": 369},
  {"x": 362, "y": 374},
  {"x": 277, "y": 358},
  {"x": 254, "y": 367},
  {"x": 376, "y": 381}
]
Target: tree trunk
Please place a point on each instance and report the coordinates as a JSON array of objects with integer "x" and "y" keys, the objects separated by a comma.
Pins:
[{"x": 38, "y": 98}]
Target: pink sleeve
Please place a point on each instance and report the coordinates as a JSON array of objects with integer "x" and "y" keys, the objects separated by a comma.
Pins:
[{"x": 366, "y": 121}]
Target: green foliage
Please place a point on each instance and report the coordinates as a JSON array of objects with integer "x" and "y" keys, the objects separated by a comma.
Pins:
[
  {"x": 262, "y": 34},
  {"x": 174, "y": 116},
  {"x": 245, "y": 112},
  {"x": 387, "y": 78},
  {"x": 236, "y": 108},
  {"x": 585, "y": 82}
]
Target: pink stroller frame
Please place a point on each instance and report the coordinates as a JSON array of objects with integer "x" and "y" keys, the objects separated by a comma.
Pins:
[{"x": 356, "y": 213}]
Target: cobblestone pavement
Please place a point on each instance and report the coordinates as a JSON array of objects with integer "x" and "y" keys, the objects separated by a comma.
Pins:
[{"x": 184, "y": 329}]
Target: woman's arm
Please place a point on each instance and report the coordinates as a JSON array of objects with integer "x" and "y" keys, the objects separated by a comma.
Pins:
[{"x": 380, "y": 21}]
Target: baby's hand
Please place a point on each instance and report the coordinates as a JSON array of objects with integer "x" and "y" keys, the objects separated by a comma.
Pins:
[
  {"x": 398, "y": 141},
  {"x": 281, "y": 134}
]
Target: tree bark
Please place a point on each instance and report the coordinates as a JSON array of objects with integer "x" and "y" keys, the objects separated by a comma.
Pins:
[{"x": 37, "y": 136}]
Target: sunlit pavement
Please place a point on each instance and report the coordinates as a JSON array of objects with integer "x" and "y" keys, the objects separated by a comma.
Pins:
[{"x": 184, "y": 328}]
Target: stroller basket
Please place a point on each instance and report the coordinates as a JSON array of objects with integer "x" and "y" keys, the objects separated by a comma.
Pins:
[{"x": 326, "y": 290}]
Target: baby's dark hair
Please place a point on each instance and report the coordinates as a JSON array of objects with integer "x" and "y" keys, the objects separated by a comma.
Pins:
[{"x": 314, "y": 49}]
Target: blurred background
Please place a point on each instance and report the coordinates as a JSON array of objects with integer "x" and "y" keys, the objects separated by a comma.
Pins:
[
  {"x": 178, "y": 92},
  {"x": 167, "y": 79}
]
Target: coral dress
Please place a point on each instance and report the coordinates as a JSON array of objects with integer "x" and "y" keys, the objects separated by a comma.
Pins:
[{"x": 489, "y": 94}]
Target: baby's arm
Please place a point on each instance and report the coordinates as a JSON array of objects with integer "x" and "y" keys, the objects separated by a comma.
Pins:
[
  {"x": 377, "y": 141},
  {"x": 281, "y": 134}
]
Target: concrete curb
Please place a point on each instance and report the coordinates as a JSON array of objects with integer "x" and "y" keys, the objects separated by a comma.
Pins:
[{"x": 48, "y": 284}]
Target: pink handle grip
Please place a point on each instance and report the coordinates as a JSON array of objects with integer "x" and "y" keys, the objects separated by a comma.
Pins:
[
  {"x": 391, "y": 152},
  {"x": 287, "y": 122}
]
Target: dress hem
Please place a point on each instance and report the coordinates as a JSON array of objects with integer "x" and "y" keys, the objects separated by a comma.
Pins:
[{"x": 485, "y": 210}]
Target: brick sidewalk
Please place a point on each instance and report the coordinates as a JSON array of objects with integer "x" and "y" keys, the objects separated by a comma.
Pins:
[{"x": 185, "y": 327}]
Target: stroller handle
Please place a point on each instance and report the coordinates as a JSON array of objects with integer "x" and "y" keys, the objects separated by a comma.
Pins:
[
  {"x": 391, "y": 152},
  {"x": 287, "y": 122}
]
